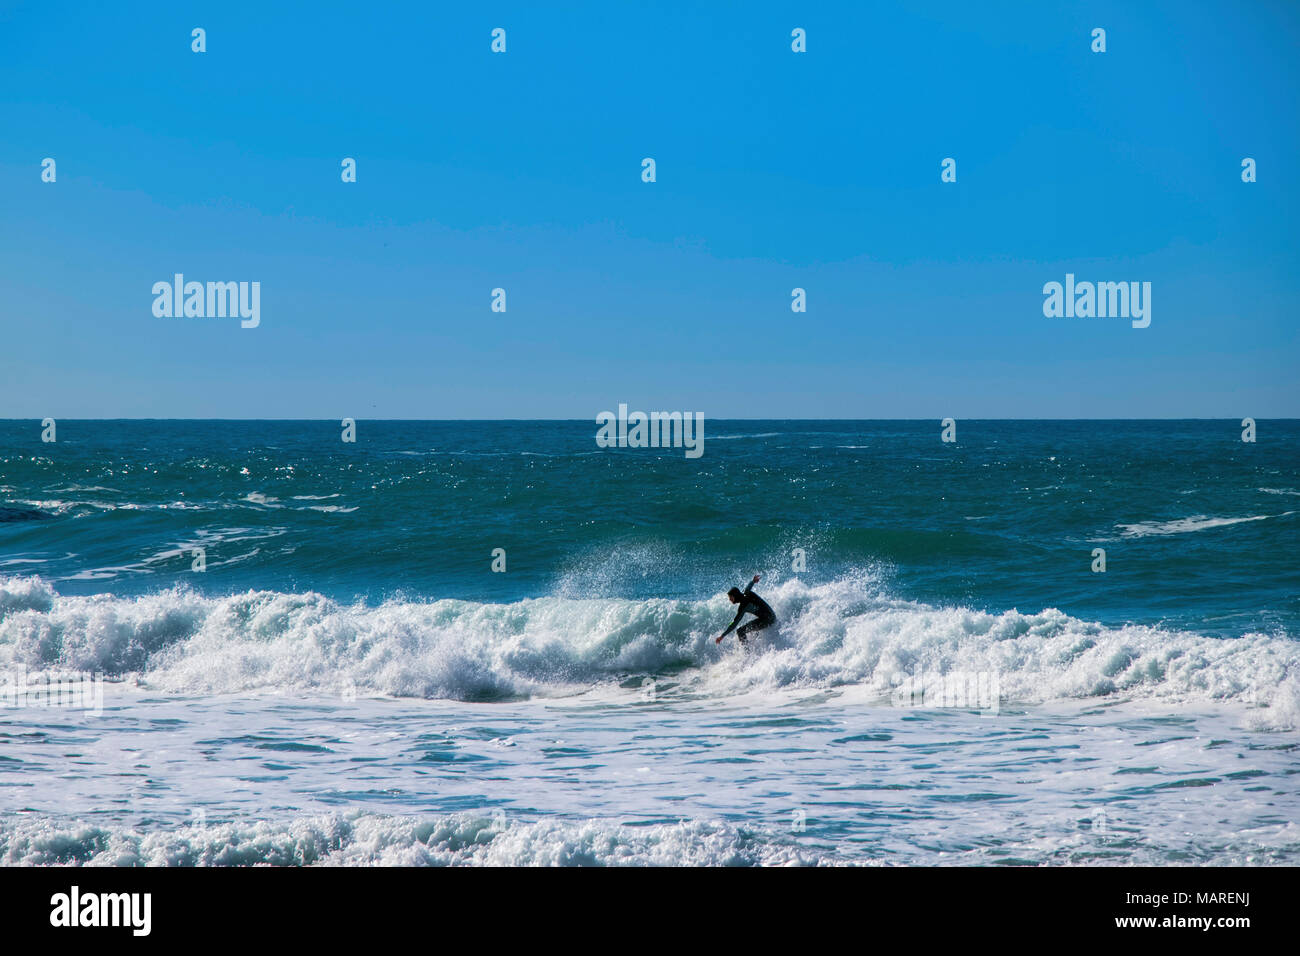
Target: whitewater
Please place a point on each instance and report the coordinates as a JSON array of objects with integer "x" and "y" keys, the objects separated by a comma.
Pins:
[{"x": 290, "y": 728}]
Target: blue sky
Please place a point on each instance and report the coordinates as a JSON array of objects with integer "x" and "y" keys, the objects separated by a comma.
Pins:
[{"x": 775, "y": 170}]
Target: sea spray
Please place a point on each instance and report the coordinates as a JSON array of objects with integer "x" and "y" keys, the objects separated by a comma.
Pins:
[{"x": 844, "y": 633}]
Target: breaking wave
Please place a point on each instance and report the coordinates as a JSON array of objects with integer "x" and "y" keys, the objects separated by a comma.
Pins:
[
  {"x": 359, "y": 839},
  {"x": 845, "y": 633}
]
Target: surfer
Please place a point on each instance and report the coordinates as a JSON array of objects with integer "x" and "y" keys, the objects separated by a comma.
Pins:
[{"x": 750, "y": 603}]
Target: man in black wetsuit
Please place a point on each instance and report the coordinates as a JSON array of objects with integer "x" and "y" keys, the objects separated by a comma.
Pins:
[{"x": 750, "y": 603}]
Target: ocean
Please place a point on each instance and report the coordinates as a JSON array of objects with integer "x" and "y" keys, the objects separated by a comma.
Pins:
[{"x": 492, "y": 643}]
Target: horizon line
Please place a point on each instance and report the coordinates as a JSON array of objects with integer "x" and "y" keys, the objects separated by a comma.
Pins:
[{"x": 592, "y": 420}]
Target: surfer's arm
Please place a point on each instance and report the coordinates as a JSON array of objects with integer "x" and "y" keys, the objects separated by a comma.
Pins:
[
  {"x": 732, "y": 625},
  {"x": 751, "y": 583}
]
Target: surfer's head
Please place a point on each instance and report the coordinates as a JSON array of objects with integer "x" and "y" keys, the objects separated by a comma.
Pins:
[{"x": 735, "y": 595}]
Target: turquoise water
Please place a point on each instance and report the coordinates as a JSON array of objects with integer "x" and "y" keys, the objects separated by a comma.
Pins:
[{"x": 348, "y": 679}]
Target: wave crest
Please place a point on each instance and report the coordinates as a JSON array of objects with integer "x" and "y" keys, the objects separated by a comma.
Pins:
[
  {"x": 845, "y": 633},
  {"x": 360, "y": 839}
]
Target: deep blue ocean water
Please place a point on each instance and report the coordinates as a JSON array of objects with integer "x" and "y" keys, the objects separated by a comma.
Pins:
[
  {"x": 1200, "y": 529},
  {"x": 349, "y": 680}
]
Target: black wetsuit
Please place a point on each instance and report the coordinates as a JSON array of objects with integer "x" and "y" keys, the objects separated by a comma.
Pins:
[{"x": 751, "y": 603}]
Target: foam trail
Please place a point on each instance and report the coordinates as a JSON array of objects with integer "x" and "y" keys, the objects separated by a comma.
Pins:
[{"x": 1143, "y": 529}]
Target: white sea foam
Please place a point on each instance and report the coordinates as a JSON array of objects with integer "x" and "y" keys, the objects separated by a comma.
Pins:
[
  {"x": 845, "y": 633},
  {"x": 1143, "y": 529},
  {"x": 62, "y": 506},
  {"x": 358, "y": 839},
  {"x": 258, "y": 498}
]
